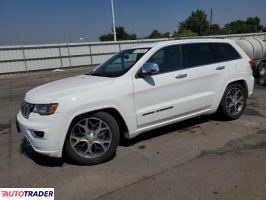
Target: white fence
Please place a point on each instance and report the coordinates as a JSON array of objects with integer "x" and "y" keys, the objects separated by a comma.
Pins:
[{"x": 51, "y": 56}]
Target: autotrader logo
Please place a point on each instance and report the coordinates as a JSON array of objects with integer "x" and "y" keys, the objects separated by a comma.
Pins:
[{"x": 27, "y": 193}]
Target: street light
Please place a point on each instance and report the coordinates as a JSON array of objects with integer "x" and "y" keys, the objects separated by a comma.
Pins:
[{"x": 113, "y": 16}]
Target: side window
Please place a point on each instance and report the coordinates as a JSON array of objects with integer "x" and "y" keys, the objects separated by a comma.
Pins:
[
  {"x": 168, "y": 59},
  {"x": 225, "y": 52},
  {"x": 198, "y": 54}
]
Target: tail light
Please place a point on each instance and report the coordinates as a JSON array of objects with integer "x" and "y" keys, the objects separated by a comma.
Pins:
[{"x": 252, "y": 65}]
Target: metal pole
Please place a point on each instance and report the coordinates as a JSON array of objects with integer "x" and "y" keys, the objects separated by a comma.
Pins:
[
  {"x": 69, "y": 57},
  {"x": 113, "y": 16},
  {"x": 24, "y": 58},
  {"x": 60, "y": 55},
  {"x": 90, "y": 54}
]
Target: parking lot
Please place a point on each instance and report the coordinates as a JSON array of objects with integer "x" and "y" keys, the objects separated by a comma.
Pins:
[{"x": 201, "y": 158}]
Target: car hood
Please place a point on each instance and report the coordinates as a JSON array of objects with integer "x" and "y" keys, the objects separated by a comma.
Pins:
[{"x": 47, "y": 93}]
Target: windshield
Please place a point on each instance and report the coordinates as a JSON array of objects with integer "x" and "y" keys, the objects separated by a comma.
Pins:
[{"x": 120, "y": 63}]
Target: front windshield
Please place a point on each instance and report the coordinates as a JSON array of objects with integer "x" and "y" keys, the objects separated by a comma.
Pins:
[{"x": 120, "y": 63}]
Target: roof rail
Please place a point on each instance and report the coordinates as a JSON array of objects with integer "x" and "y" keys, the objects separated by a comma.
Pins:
[{"x": 199, "y": 37}]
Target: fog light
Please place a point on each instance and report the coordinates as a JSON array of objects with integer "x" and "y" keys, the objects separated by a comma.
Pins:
[{"x": 37, "y": 134}]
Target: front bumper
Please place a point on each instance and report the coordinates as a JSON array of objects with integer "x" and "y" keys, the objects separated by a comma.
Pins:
[{"x": 50, "y": 143}]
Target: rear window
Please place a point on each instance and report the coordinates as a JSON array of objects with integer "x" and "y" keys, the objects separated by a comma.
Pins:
[
  {"x": 198, "y": 54},
  {"x": 225, "y": 52}
]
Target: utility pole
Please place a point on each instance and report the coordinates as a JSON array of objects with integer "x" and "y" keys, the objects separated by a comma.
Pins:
[
  {"x": 211, "y": 18},
  {"x": 113, "y": 16}
]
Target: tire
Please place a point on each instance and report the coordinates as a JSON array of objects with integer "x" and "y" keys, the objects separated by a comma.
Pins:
[
  {"x": 231, "y": 107},
  {"x": 261, "y": 71},
  {"x": 261, "y": 81},
  {"x": 92, "y": 139}
]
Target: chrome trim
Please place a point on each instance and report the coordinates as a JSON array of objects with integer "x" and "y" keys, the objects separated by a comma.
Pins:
[{"x": 150, "y": 68}]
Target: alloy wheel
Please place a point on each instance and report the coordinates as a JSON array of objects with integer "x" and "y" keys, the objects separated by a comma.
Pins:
[
  {"x": 234, "y": 101},
  {"x": 90, "y": 137}
]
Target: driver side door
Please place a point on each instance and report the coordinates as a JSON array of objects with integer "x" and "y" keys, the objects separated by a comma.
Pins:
[{"x": 163, "y": 96}]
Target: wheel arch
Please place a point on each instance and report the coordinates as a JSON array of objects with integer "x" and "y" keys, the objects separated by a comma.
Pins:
[
  {"x": 110, "y": 110},
  {"x": 240, "y": 81}
]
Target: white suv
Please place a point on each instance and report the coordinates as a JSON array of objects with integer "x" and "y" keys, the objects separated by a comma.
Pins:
[{"x": 136, "y": 90}]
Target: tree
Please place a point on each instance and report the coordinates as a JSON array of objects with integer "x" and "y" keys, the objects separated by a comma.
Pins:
[
  {"x": 215, "y": 29},
  {"x": 107, "y": 37},
  {"x": 234, "y": 27},
  {"x": 167, "y": 35},
  {"x": 185, "y": 33},
  {"x": 197, "y": 23},
  {"x": 121, "y": 34},
  {"x": 252, "y": 24},
  {"x": 155, "y": 34}
]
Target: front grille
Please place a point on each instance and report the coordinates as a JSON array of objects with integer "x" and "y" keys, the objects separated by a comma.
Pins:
[{"x": 26, "y": 109}]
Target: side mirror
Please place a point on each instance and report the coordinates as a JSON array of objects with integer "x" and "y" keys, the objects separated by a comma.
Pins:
[{"x": 150, "y": 69}]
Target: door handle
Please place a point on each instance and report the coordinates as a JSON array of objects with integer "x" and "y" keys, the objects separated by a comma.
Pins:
[
  {"x": 181, "y": 76},
  {"x": 220, "y": 68}
]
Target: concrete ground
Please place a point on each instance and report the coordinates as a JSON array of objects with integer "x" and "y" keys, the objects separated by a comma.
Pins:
[{"x": 202, "y": 158}]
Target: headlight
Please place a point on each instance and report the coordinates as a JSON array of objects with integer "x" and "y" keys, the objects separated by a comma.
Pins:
[{"x": 45, "y": 109}]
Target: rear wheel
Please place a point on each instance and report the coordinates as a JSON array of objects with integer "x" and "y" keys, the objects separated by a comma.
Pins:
[
  {"x": 93, "y": 139},
  {"x": 261, "y": 80},
  {"x": 262, "y": 69},
  {"x": 233, "y": 102}
]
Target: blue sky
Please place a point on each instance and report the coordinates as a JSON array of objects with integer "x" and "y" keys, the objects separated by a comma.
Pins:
[{"x": 49, "y": 21}]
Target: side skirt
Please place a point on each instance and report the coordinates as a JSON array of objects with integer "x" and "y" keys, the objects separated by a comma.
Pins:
[{"x": 168, "y": 121}]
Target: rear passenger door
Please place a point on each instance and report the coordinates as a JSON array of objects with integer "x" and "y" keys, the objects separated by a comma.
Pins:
[{"x": 207, "y": 76}]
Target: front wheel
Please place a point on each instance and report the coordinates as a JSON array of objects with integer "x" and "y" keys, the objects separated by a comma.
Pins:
[
  {"x": 233, "y": 102},
  {"x": 93, "y": 139}
]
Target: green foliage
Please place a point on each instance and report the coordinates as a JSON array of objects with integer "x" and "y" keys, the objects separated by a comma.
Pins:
[
  {"x": 197, "y": 23},
  {"x": 167, "y": 35},
  {"x": 215, "y": 29},
  {"x": 155, "y": 34},
  {"x": 185, "y": 33},
  {"x": 251, "y": 25},
  {"x": 121, "y": 34},
  {"x": 238, "y": 26},
  {"x": 107, "y": 37}
]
